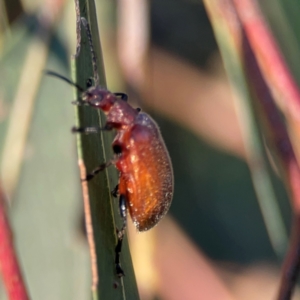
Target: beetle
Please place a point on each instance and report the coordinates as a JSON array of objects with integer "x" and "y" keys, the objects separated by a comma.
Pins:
[{"x": 145, "y": 187}]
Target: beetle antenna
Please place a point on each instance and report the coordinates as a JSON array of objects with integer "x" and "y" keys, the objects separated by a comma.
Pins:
[
  {"x": 51, "y": 73},
  {"x": 94, "y": 58}
]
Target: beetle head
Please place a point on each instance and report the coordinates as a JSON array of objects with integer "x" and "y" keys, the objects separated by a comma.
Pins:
[{"x": 99, "y": 98}]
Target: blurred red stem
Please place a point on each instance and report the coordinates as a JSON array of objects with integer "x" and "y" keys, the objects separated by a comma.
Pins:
[
  {"x": 278, "y": 136},
  {"x": 269, "y": 57},
  {"x": 9, "y": 265},
  {"x": 263, "y": 62},
  {"x": 291, "y": 265},
  {"x": 277, "y": 131}
]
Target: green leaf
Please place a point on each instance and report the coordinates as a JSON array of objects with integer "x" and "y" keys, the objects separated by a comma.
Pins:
[{"x": 94, "y": 150}]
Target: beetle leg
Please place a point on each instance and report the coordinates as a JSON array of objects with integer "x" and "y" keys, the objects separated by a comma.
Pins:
[
  {"x": 120, "y": 234},
  {"x": 86, "y": 130},
  {"x": 93, "y": 129},
  {"x": 115, "y": 191},
  {"x": 118, "y": 249},
  {"x": 97, "y": 170},
  {"x": 79, "y": 103},
  {"x": 123, "y": 210}
]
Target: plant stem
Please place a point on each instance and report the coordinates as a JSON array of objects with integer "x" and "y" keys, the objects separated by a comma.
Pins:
[{"x": 9, "y": 265}]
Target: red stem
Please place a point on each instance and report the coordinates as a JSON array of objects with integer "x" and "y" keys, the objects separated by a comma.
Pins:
[
  {"x": 9, "y": 265},
  {"x": 270, "y": 80},
  {"x": 291, "y": 264},
  {"x": 279, "y": 138},
  {"x": 269, "y": 57},
  {"x": 277, "y": 132}
]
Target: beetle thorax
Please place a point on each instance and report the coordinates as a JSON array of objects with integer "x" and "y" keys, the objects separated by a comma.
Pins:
[{"x": 121, "y": 115}]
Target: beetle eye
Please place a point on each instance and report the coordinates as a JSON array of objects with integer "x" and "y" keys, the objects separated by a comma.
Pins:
[{"x": 117, "y": 149}]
